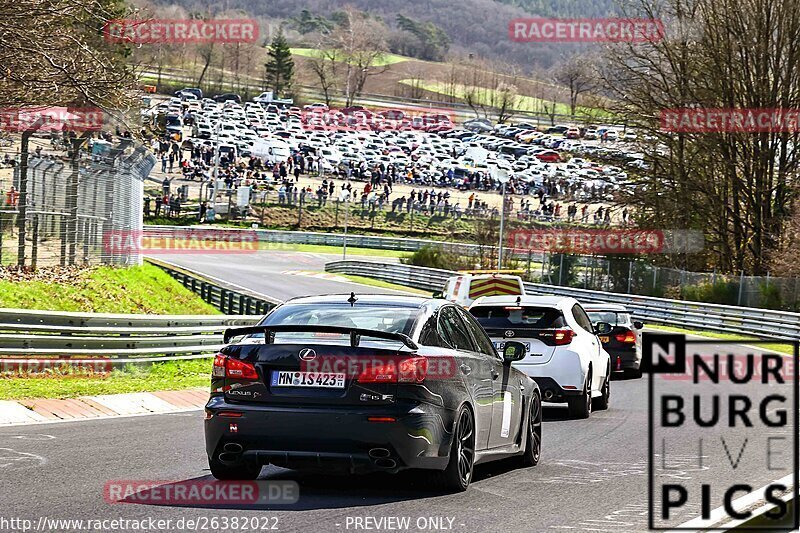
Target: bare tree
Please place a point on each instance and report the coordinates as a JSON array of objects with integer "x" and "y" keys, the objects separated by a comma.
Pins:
[
  {"x": 577, "y": 75},
  {"x": 324, "y": 65},
  {"x": 361, "y": 43},
  {"x": 35, "y": 36},
  {"x": 506, "y": 102},
  {"x": 736, "y": 186},
  {"x": 207, "y": 54}
]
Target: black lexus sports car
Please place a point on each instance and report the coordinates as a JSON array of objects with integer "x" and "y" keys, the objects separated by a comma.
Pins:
[{"x": 369, "y": 383}]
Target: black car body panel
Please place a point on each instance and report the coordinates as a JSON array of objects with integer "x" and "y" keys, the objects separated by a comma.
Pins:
[
  {"x": 625, "y": 354},
  {"x": 365, "y": 424}
]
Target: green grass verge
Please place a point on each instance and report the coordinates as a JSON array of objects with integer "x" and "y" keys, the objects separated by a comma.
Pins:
[
  {"x": 169, "y": 375},
  {"x": 380, "y": 61},
  {"x": 777, "y": 347},
  {"x": 486, "y": 96},
  {"x": 145, "y": 289}
]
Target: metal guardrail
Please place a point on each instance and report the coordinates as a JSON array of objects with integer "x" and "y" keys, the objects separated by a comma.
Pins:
[
  {"x": 759, "y": 323},
  {"x": 228, "y": 298},
  {"x": 117, "y": 338},
  {"x": 333, "y": 239}
]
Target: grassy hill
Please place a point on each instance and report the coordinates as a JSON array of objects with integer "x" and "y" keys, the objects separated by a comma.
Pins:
[{"x": 145, "y": 289}]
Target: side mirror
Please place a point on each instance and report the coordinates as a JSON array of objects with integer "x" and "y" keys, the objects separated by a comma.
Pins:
[
  {"x": 638, "y": 324},
  {"x": 513, "y": 351},
  {"x": 438, "y": 294},
  {"x": 601, "y": 328}
]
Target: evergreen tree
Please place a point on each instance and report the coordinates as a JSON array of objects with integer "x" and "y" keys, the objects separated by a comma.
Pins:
[{"x": 280, "y": 65}]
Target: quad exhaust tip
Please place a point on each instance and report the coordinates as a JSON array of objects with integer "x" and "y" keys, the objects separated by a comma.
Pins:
[
  {"x": 233, "y": 447},
  {"x": 385, "y": 463},
  {"x": 229, "y": 457},
  {"x": 232, "y": 453},
  {"x": 379, "y": 453}
]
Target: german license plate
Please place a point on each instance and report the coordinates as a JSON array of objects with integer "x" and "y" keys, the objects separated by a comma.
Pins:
[
  {"x": 604, "y": 338},
  {"x": 500, "y": 345},
  {"x": 324, "y": 380}
]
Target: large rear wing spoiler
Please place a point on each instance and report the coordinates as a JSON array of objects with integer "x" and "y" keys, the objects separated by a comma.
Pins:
[{"x": 355, "y": 333}]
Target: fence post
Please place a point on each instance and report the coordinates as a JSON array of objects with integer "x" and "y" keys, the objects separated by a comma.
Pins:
[
  {"x": 560, "y": 268},
  {"x": 741, "y": 286},
  {"x": 529, "y": 262},
  {"x": 630, "y": 275},
  {"x": 62, "y": 229},
  {"x": 35, "y": 244}
]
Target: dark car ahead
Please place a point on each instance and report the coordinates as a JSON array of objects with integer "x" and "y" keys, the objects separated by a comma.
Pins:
[
  {"x": 374, "y": 383},
  {"x": 228, "y": 97},
  {"x": 624, "y": 342}
]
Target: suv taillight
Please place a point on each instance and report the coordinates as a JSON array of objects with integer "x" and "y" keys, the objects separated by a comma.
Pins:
[
  {"x": 556, "y": 337},
  {"x": 411, "y": 370},
  {"x": 563, "y": 336},
  {"x": 225, "y": 366},
  {"x": 626, "y": 337}
]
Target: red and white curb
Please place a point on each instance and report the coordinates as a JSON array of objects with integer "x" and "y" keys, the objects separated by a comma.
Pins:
[
  {"x": 44, "y": 411},
  {"x": 316, "y": 274}
]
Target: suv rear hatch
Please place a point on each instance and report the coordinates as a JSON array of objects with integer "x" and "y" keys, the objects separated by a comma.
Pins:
[{"x": 540, "y": 329}]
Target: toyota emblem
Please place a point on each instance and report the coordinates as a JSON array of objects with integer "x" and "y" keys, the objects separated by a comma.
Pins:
[
  {"x": 509, "y": 333},
  {"x": 307, "y": 354}
]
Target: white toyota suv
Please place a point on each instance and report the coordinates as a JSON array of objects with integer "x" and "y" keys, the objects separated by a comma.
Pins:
[{"x": 563, "y": 353}]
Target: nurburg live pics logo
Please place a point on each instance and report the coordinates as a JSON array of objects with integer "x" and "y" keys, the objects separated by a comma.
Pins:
[{"x": 732, "y": 409}]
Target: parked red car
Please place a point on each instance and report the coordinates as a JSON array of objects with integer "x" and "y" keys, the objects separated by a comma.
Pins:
[{"x": 549, "y": 156}]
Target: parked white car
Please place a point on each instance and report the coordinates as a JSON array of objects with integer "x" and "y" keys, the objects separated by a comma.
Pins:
[{"x": 563, "y": 352}]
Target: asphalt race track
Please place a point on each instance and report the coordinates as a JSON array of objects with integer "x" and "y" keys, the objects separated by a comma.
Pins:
[
  {"x": 274, "y": 273},
  {"x": 593, "y": 475}
]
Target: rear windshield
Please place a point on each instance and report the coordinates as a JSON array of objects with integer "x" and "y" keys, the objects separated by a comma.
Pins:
[
  {"x": 381, "y": 318},
  {"x": 612, "y": 317},
  {"x": 511, "y": 316}
]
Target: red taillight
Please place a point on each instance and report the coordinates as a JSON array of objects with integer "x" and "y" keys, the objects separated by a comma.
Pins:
[
  {"x": 225, "y": 366},
  {"x": 411, "y": 370},
  {"x": 563, "y": 336},
  {"x": 626, "y": 337},
  {"x": 218, "y": 370}
]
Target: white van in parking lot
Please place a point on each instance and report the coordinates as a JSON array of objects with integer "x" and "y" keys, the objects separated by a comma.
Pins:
[{"x": 563, "y": 352}]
